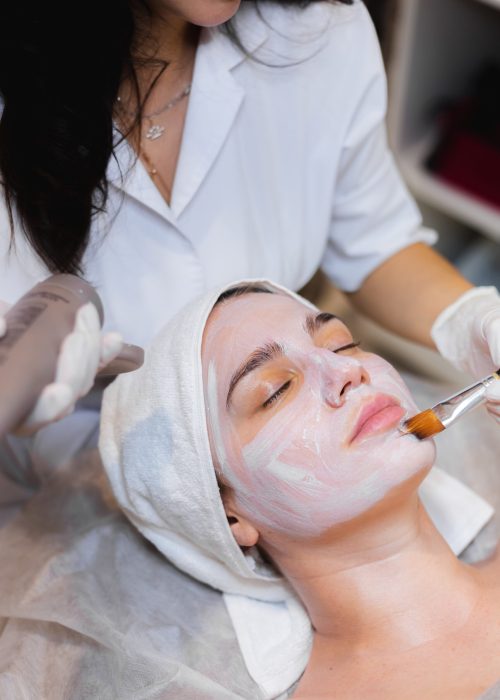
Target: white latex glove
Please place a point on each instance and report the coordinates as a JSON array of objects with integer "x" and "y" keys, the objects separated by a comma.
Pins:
[
  {"x": 467, "y": 333},
  {"x": 83, "y": 353}
]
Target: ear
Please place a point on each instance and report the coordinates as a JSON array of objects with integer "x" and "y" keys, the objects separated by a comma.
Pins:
[{"x": 245, "y": 534}]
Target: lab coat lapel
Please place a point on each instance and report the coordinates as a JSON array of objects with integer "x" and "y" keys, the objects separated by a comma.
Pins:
[
  {"x": 127, "y": 173},
  {"x": 213, "y": 105}
]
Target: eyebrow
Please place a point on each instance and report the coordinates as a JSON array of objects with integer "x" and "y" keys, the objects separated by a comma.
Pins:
[
  {"x": 258, "y": 357},
  {"x": 314, "y": 322}
]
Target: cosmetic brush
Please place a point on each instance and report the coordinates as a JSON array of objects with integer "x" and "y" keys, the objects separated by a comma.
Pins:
[{"x": 445, "y": 413}]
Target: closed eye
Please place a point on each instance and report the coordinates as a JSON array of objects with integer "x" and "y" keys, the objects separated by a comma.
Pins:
[
  {"x": 348, "y": 346},
  {"x": 277, "y": 394}
]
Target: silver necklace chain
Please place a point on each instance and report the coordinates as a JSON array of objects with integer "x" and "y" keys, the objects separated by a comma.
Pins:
[{"x": 154, "y": 131}]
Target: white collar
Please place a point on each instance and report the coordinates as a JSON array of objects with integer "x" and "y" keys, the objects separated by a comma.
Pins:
[{"x": 213, "y": 104}]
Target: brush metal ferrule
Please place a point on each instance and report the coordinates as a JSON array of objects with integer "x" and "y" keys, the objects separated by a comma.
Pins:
[{"x": 453, "y": 407}]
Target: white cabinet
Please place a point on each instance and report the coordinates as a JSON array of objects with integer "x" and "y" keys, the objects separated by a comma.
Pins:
[{"x": 438, "y": 46}]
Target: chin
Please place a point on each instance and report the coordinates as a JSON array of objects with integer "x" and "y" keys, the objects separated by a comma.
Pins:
[
  {"x": 412, "y": 455},
  {"x": 425, "y": 452},
  {"x": 211, "y": 13}
]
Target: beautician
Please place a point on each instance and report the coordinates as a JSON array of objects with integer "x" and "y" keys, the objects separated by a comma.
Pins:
[{"x": 158, "y": 151}]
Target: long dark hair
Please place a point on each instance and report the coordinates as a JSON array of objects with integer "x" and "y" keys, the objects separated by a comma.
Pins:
[{"x": 60, "y": 72}]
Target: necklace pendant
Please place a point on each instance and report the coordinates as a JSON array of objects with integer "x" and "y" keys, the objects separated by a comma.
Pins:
[{"x": 154, "y": 132}]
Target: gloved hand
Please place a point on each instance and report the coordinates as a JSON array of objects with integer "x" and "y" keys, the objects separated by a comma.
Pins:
[
  {"x": 83, "y": 353},
  {"x": 467, "y": 333}
]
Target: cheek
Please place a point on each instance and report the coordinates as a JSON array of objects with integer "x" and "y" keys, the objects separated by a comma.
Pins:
[
  {"x": 384, "y": 378},
  {"x": 308, "y": 448},
  {"x": 304, "y": 491},
  {"x": 281, "y": 457}
]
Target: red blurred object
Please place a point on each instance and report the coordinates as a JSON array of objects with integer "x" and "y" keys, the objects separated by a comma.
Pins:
[
  {"x": 473, "y": 165},
  {"x": 468, "y": 152}
]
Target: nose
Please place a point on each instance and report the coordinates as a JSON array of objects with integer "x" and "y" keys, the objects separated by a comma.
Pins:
[{"x": 340, "y": 374}]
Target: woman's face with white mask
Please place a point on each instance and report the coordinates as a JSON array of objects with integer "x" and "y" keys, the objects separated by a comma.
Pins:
[{"x": 302, "y": 422}]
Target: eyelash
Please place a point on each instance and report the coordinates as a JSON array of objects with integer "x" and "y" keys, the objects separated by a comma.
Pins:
[
  {"x": 276, "y": 394},
  {"x": 354, "y": 344},
  {"x": 285, "y": 386}
]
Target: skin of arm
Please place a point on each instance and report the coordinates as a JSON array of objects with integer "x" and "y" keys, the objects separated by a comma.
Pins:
[{"x": 407, "y": 292}]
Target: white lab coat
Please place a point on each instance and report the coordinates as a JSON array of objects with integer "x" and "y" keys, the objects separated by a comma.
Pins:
[{"x": 282, "y": 170}]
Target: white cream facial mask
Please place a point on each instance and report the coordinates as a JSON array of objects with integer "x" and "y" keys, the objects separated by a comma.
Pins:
[{"x": 284, "y": 442}]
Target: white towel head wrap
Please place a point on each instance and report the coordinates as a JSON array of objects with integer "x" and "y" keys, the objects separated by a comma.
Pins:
[{"x": 155, "y": 449}]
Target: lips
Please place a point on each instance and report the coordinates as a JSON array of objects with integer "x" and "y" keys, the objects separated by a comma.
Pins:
[{"x": 380, "y": 414}]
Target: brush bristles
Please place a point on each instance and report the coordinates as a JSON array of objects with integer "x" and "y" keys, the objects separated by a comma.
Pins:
[{"x": 423, "y": 425}]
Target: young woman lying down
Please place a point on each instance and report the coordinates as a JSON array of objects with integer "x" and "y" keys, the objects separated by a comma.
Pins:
[{"x": 259, "y": 450}]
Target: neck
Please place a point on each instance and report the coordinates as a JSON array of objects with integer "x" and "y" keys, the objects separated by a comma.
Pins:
[
  {"x": 165, "y": 36},
  {"x": 165, "y": 51},
  {"x": 388, "y": 582}
]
